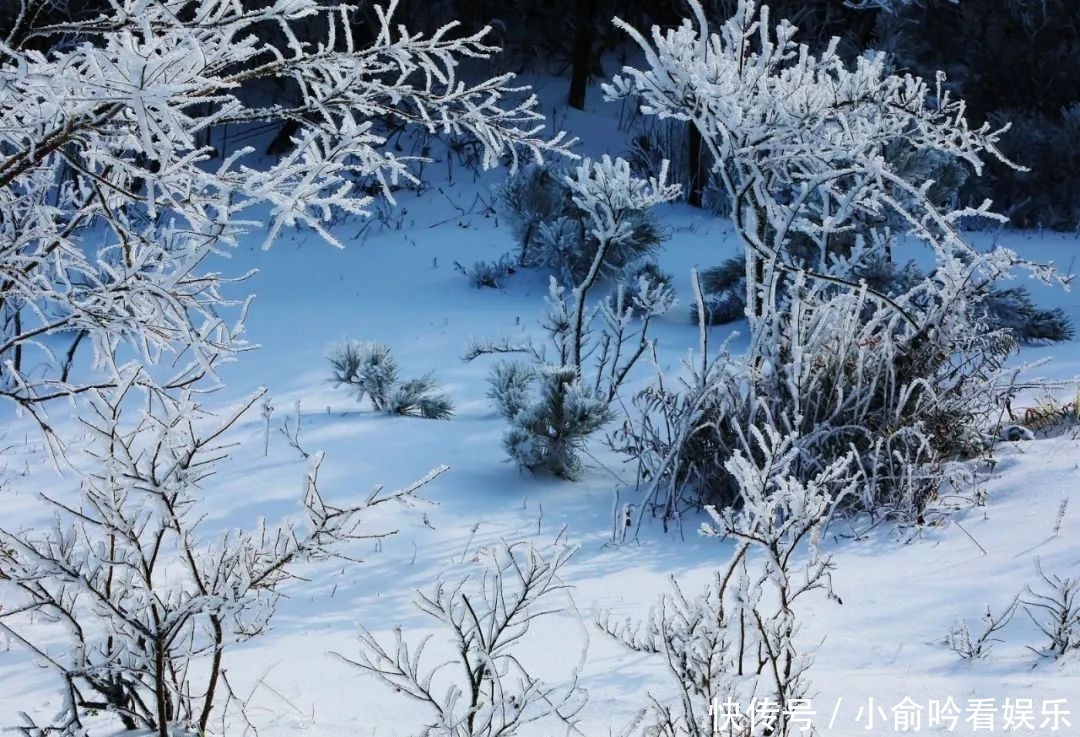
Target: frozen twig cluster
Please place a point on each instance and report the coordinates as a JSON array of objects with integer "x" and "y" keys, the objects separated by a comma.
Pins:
[
  {"x": 149, "y": 602},
  {"x": 976, "y": 644},
  {"x": 483, "y": 689},
  {"x": 737, "y": 642},
  {"x": 1054, "y": 607}
]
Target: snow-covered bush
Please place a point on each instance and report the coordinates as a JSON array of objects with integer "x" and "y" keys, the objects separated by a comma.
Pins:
[
  {"x": 679, "y": 433},
  {"x": 421, "y": 397},
  {"x": 487, "y": 273},
  {"x": 111, "y": 199},
  {"x": 147, "y": 601},
  {"x": 551, "y": 414},
  {"x": 825, "y": 164},
  {"x": 556, "y": 403},
  {"x": 486, "y": 614},
  {"x": 735, "y": 644},
  {"x": 609, "y": 196},
  {"x": 371, "y": 371},
  {"x": 554, "y": 231},
  {"x": 843, "y": 377},
  {"x": 533, "y": 196},
  {"x": 510, "y": 386}
]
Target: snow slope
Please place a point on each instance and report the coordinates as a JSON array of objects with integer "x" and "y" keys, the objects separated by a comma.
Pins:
[{"x": 902, "y": 588}]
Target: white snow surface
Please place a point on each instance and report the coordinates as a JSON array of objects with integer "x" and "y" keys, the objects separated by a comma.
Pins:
[{"x": 902, "y": 588}]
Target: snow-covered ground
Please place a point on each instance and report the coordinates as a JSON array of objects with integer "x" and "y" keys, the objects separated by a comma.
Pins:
[{"x": 903, "y": 588}]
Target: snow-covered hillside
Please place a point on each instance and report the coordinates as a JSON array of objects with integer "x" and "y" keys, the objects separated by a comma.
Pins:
[
  {"x": 903, "y": 588},
  {"x": 939, "y": 616}
]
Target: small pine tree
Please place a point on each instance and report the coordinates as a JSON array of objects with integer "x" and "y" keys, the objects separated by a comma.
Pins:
[
  {"x": 529, "y": 199},
  {"x": 367, "y": 367},
  {"x": 724, "y": 291},
  {"x": 511, "y": 386},
  {"x": 551, "y": 414},
  {"x": 420, "y": 397},
  {"x": 370, "y": 369}
]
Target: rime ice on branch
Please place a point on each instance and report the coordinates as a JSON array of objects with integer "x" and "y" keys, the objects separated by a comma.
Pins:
[
  {"x": 111, "y": 200},
  {"x": 800, "y": 143}
]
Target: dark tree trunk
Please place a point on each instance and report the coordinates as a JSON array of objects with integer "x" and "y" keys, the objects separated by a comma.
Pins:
[
  {"x": 582, "y": 52},
  {"x": 697, "y": 166}
]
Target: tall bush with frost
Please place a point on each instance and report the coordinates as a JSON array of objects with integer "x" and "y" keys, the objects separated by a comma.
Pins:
[
  {"x": 805, "y": 146},
  {"x": 802, "y": 143}
]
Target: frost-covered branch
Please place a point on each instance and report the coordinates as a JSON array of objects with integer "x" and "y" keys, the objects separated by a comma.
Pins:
[
  {"x": 805, "y": 145},
  {"x": 148, "y": 601},
  {"x": 111, "y": 199},
  {"x": 490, "y": 693}
]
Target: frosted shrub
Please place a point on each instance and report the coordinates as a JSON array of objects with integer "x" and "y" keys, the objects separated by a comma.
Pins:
[
  {"x": 678, "y": 434},
  {"x": 843, "y": 378},
  {"x": 485, "y": 615},
  {"x": 510, "y": 386},
  {"x": 420, "y": 397},
  {"x": 736, "y": 642},
  {"x": 367, "y": 367},
  {"x": 372, "y": 372},
  {"x": 563, "y": 397},
  {"x": 977, "y": 643},
  {"x": 1010, "y": 308},
  {"x": 150, "y": 603},
  {"x": 639, "y": 281},
  {"x": 1054, "y": 607},
  {"x": 825, "y": 166},
  {"x": 555, "y": 232},
  {"x": 550, "y": 414}
]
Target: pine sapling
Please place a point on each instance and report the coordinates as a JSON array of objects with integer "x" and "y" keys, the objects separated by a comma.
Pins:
[{"x": 372, "y": 372}]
